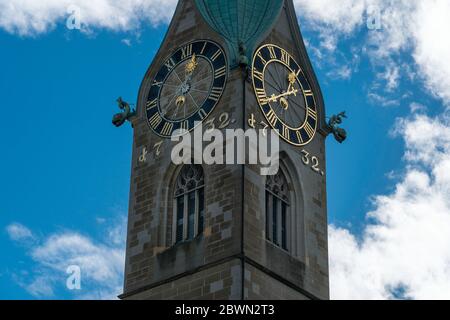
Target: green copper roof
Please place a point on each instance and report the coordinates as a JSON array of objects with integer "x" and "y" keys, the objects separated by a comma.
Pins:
[{"x": 240, "y": 21}]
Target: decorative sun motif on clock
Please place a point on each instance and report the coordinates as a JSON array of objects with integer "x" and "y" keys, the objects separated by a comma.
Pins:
[
  {"x": 284, "y": 95},
  {"x": 187, "y": 88}
]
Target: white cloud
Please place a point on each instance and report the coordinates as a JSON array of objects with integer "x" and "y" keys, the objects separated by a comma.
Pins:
[
  {"x": 331, "y": 18},
  {"x": 404, "y": 246},
  {"x": 30, "y": 17},
  {"x": 101, "y": 264},
  {"x": 382, "y": 100},
  {"x": 432, "y": 50},
  {"x": 98, "y": 262},
  {"x": 126, "y": 42},
  {"x": 417, "y": 28},
  {"x": 40, "y": 287},
  {"x": 18, "y": 232}
]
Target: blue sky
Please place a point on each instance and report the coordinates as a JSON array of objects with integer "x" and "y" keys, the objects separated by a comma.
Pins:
[{"x": 66, "y": 169}]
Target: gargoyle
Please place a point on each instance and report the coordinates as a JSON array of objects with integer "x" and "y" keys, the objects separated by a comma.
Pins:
[
  {"x": 339, "y": 134},
  {"x": 120, "y": 118}
]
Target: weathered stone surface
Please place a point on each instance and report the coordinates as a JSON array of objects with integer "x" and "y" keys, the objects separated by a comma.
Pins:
[{"x": 233, "y": 243}]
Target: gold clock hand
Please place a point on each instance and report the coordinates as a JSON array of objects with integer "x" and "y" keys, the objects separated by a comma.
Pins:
[
  {"x": 275, "y": 98},
  {"x": 292, "y": 78},
  {"x": 181, "y": 100}
]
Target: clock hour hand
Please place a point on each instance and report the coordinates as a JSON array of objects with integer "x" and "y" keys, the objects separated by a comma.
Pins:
[
  {"x": 275, "y": 98},
  {"x": 292, "y": 78}
]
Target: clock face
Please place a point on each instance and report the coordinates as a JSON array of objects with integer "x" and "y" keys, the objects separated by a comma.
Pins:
[
  {"x": 284, "y": 95},
  {"x": 187, "y": 88}
]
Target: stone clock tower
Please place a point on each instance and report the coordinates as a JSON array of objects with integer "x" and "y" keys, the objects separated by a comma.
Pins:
[{"x": 198, "y": 231}]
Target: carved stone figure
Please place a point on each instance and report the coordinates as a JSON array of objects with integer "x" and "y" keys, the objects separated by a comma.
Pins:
[
  {"x": 339, "y": 134},
  {"x": 120, "y": 118}
]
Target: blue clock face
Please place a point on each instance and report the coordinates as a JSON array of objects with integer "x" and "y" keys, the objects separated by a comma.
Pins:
[{"x": 186, "y": 88}]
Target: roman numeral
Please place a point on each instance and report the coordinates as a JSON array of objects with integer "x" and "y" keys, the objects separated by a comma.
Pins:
[
  {"x": 258, "y": 75},
  {"x": 170, "y": 64},
  {"x": 273, "y": 54},
  {"x": 299, "y": 136},
  {"x": 220, "y": 72},
  {"x": 312, "y": 113},
  {"x": 215, "y": 94},
  {"x": 272, "y": 118},
  {"x": 262, "y": 97},
  {"x": 259, "y": 55},
  {"x": 286, "y": 133},
  {"x": 308, "y": 93},
  {"x": 185, "y": 125},
  {"x": 285, "y": 57},
  {"x": 216, "y": 55},
  {"x": 155, "y": 120},
  {"x": 167, "y": 129},
  {"x": 152, "y": 104},
  {"x": 186, "y": 51},
  {"x": 157, "y": 83},
  {"x": 309, "y": 130},
  {"x": 204, "y": 47},
  {"x": 202, "y": 114}
]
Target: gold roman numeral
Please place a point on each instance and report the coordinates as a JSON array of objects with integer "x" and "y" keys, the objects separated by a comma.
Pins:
[
  {"x": 155, "y": 120},
  {"x": 309, "y": 130},
  {"x": 272, "y": 118},
  {"x": 186, "y": 51},
  {"x": 167, "y": 129},
  {"x": 262, "y": 97},
  {"x": 308, "y": 93},
  {"x": 299, "y": 136},
  {"x": 221, "y": 72},
  {"x": 216, "y": 55},
  {"x": 259, "y": 55},
  {"x": 286, "y": 133},
  {"x": 215, "y": 94},
  {"x": 152, "y": 104},
  {"x": 285, "y": 57},
  {"x": 258, "y": 75},
  {"x": 312, "y": 113},
  {"x": 273, "y": 54}
]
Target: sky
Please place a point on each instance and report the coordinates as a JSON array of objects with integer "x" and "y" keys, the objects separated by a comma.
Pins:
[{"x": 65, "y": 180}]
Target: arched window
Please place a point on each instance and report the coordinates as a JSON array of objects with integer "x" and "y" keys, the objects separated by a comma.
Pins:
[
  {"x": 189, "y": 203},
  {"x": 278, "y": 210}
]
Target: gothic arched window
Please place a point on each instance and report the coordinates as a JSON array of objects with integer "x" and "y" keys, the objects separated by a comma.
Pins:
[
  {"x": 277, "y": 210},
  {"x": 189, "y": 203}
]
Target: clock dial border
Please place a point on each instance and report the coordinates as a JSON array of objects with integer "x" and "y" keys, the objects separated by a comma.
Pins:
[
  {"x": 305, "y": 133},
  {"x": 206, "y": 49}
]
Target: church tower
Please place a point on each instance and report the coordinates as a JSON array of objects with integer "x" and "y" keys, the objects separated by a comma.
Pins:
[{"x": 224, "y": 231}]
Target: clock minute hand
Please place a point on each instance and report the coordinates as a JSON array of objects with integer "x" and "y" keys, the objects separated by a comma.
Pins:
[{"x": 292, "y": 78}]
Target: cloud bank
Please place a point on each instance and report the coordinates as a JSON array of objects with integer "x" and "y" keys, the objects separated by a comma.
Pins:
[
  {"x": 31, "y": 17},
  {"x": 417, "y": 28},
  {"x": 101, "y": 262},
  {"x": 404, "y": 252}
]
